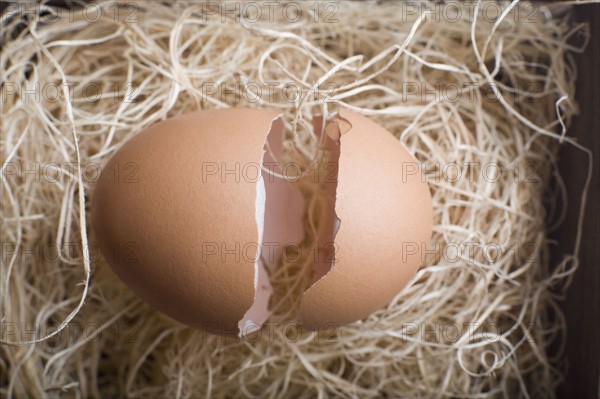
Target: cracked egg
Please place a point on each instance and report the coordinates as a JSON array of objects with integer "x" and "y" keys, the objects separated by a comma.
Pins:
[{"x": 211, "y": 198}]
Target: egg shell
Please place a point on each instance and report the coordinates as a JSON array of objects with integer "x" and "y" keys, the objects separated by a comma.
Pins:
[
  {"x": 168, "y": 213},
  {"x": 170, "y": 210},
  {"x": 386, "y": 220}
]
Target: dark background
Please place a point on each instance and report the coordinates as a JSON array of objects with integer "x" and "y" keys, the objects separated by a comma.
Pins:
[{"x": 582, "y": 305}]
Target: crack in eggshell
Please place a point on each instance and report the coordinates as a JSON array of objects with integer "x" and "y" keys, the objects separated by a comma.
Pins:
[
  {"x": 279, "y": 213},
  {"x": 280, "y": 210}
]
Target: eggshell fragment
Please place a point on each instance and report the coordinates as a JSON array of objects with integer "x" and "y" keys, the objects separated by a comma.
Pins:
[
  {"x": 385, "y": 214},
  {"x": 189, "y": 217}
]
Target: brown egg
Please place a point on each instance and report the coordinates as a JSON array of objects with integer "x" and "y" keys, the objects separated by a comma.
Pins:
[{"x": 182, "y": 213}]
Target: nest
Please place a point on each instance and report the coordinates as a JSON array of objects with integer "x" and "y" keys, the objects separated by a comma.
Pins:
[{"x": 481, "y": 94}]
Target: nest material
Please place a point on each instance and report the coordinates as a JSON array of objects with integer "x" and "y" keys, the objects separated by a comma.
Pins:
[{"x": 480, "y": 94}]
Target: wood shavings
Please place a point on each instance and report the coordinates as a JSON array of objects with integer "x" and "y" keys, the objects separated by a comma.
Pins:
[{"x": 462, "y": 95}]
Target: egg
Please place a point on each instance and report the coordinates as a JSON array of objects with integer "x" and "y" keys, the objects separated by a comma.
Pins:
[{"x": 191, "y": 201}]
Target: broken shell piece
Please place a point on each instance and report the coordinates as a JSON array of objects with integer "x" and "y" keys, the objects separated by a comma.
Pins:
[
  {"x": 175, "y": 214},
  {"x": 382, "y": 221}
]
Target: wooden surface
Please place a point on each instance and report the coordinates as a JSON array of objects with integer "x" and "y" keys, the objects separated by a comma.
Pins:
[{"x": 582, "y": 306}]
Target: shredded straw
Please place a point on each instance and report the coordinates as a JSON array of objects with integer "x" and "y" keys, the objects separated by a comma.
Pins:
[{"x": 482, "y": 100}]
